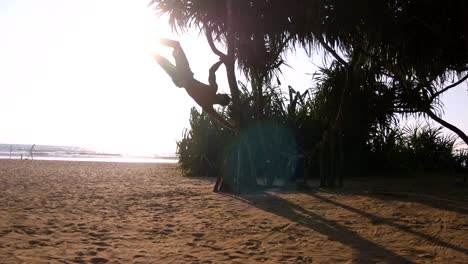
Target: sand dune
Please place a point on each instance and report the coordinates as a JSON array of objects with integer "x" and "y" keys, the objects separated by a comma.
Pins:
[{"x": 83, "y": 212}]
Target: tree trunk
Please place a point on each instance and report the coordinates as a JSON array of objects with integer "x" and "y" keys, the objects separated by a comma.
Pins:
[
  {"x": 257, "y": 87},
  {"x": 230, "y": 65},
  {"x": 332, "y": 154},
  {"x": 240, "y": 178},
  {"x": 335, "y": 136},
  {"x": 464, "y": 10}
]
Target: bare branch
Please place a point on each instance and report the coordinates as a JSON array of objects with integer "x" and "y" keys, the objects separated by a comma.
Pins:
[
  {"x": 446, "y": 124},
  {"x": 449, "y": 87},
  {"x": 209, "y": 37},
  {"x": 332, "y": 51},
  {"x": 406, "y": 111}
]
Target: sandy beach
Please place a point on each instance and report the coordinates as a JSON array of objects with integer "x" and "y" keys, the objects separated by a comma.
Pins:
[{"x": 85, "y": 212}]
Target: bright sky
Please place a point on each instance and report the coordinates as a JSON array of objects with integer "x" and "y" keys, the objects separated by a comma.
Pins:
[{"x": 81, "y": 73}]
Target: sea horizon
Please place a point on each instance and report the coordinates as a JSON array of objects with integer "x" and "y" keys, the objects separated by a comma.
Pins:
[{"x": 76, "y": 153}]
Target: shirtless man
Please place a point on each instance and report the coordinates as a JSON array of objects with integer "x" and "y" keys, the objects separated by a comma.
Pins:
[{"x": 204, "y": 95}]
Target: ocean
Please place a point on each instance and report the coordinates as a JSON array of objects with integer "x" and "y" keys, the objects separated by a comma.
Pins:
[{"x": 73, "y": 153}]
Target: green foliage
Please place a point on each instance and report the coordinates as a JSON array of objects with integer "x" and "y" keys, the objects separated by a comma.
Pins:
[
  {"x": 429, "y": 148},
  {"x": 199, "y": 151},
  {"x": 269, "y": 148},
  {"x": 417, "y": 148},
  {"x": 396, "y": 57},
  {"x": 284, "y": 145},
  {"x": 461, "y": 159},
  {"x": 425, "y": 37}
]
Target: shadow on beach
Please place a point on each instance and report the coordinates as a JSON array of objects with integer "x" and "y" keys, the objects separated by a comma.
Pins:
[{"x": 365, "y": 250}]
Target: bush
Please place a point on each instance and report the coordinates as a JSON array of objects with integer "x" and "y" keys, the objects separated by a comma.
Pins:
[
  {"x": 418, "y": 148},
  {"x": 283, "y": 144},
  {"x": 201, "y": 147},
  {"x": 268, "y": 147}
]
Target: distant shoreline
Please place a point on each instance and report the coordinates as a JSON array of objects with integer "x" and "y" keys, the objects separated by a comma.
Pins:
[
  {"x": 74, "y": 153},
  {"x": 100, "y": 159}
]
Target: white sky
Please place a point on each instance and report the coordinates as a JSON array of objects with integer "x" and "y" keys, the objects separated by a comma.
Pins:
[{"x": 81, "y": 73}]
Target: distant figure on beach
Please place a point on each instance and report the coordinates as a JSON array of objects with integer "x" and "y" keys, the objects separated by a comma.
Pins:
[{"x": 205, "y": 95}]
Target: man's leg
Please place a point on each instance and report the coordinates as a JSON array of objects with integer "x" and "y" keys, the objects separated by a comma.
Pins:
[
  {"x": 170, "y": 69},
  {"x": 182, "y": 64}
]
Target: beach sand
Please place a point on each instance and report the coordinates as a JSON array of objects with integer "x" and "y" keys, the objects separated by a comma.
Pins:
[{"x": 84, "y": 212}]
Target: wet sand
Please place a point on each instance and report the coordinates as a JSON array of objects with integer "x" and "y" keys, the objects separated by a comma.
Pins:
[{"x": 84, "y": 212}]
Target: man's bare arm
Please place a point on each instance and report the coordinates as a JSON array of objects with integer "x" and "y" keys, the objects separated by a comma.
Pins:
[{"x": 212, "y": 75}]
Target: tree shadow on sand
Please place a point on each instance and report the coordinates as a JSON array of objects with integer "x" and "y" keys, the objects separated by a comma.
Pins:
[
  {"x": 430, "y": 200},
  {"x": 447, "y": 193},
  {"x": 364, "y": 250},
  {"x": 385, "y": 221}
]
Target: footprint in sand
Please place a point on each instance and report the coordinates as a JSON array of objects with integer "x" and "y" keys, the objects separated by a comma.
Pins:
[
  {"x": 159, "y": 232},
  {"x": 280, "y": 227},
  {"x": 101, "y": 244},
  {"x": 5, "y": 232},
  {"x": 21, "y": 229},
  {"x": 45, "y": 232},
  {"x": 34, "y": 242},
  {"x": 138, "y": 256},
  {"x": 95, "y": 235},
  {"x": 252, "y": 244},
  {"x": 99, "y": 260},
  {"x": 198, "y": 236},
  {"x": 78, "y": 260},
  {"x": 210, "y": 244}
]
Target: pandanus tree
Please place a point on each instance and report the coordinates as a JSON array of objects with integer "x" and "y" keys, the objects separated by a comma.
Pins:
[
  {"x": 409, "y": 39},
  {"x": 229, "y": 23},
  {"x": 424, "y": 54},
  {"x": 236, "y": 26}
]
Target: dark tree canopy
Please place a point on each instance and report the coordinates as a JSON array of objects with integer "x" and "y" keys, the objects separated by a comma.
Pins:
[
  {"x": 390, "y": 55},
  {"x": 427, "y": 37}
]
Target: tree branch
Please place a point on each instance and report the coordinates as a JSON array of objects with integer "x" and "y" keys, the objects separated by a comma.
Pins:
[
  {"x": 229, "y": 62},
  {"x": 209, "y": 37},
  {"x": 446, "y": 124},
  {"x": 406, "y": 111},
  {"x": 278, "y": 53},
  {"x": 332, "y": 51},
  {"x": 449, "y": 87}
]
